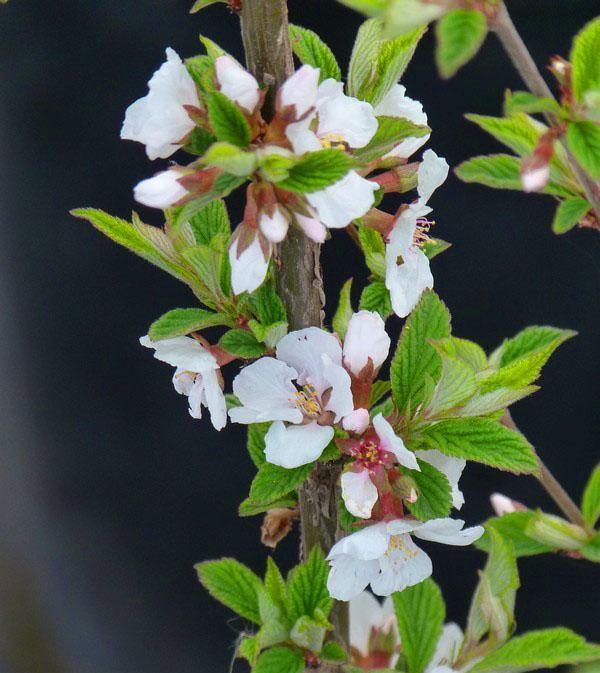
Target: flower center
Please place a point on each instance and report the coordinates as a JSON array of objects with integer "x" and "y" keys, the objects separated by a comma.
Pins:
[
  {"x": 368, "y": 454},
  {"x": 422, "y": 230},
  {"x": 307, "y": 400},
  {"x": 335, "y": 140},
  {"x": 398, "y": 550}
]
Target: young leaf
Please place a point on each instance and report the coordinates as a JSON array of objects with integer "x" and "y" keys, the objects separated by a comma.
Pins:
[
  {"x": 391, "y": 131},
  {"x": 230, "y": 158},
  {"x": 374, "y": 250},
  {"x": 249, "y": 508},
  {"x": 499, "y": 171},
  {"x": 307, "y": 588},
  {"x": 513, "y": 527},
  {"x": 309, "y": 633},
  {"x": 376, "y": 297},
  {"x": 208, "y": 261},
  {"x": 530, "y": 340},
  {"x": 546, "y": 648},
  {"x": 488, "y": 403},
  {"x": 266, "y": 304},
  {"x": 405, "y": 15},
  {"x": 434, "y": 247},
  {"x": 523, "y": 101},
  {"x": 464, "y": 350},
  {"x": 379, "y": 390},
  {"x": 584, "y": 141},
  {"x": 333, "y": 652},
  {"x": 590, "y": 504},
  {"x": 241, "y": 343},
  {"x": 210, "y": 222},
  {"x": 344, "y": 310},
  {"x": 275, "y": 584},
  {"x": 256, "y": 442},
  {"x": 568, "y": 214},
  {"x": 227, "y": 120},
  {"x": 591, "y": 549},
  {"x": 233, "y": 584},
  {"x": 249, "y": 649},
  {"x": 364, "y": 54},
  {"x": 484, "y": 441},
  {"x": 434, "y": 499},
  {"x": 199, "y": 141},
  {"x": 273, "y": 482},
  {"x": 516, "y": 132},
  {"x": 317, "y": 170},
  {"x": 556, "y": 532},
  {"x": 420, "y": 611},
  {"x": 457, "y": 384},
  {"x": 415, "y": 357},
  {"x": 201, "y": 4},
  {"x": 311, "y": 50},
  {"x": 181, "y": 321},
  {"x": 584, "y": 59},
  {"x": 280, "y": 660},
  {"x": 459, "y": 34}
]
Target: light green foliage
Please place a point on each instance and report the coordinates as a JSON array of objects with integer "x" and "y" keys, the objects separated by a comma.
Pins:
[
  {"x": 181, "y": 321},
  {"x": 256, "y": 442},
  {"x": 233, "y": 584},
  {"x": 457, "y": 384},
  {"x": 310, "y": 49},
  {"x": 211, "y": 264},
  {"x": 274, "y": 629},
  {"x": 333, "y": 652},
  {"x": 420, "y": 611},
  {"x": 249, "y": 649},
  {"x": 434, "y": 246},
  {"x": 468, "y": 352},
  {"x": 210, "y": 222},
  {"x": 307, "y": 592},
  {"x": 523, "y": 101},
  {"x": 591, "y": 549},
  {"x": 483, "y": 404},
  {"x": 373, "y": 248},
  {"x": 241, "y": 343},
  {"x": 584, "y": 141},
  {"x": 213, "y": 49},
  {"x": 376, "y": 297},
  {"x": 201, "y": 4},
  {"x": 199, "y": 141},
  {"x": 202, "y": 70},
  {"x": 368, "y": 7},
  {"x": 516, "y": 132},
  {"x": 227, "y": 120},
  {"x": 434, "y": 499},
  {"x": 590, "y": 503},
  {"x": 309, "y": 633},
  {"x": 344, "y": 310},
  {"x": 492, "y": 609},
  {"x": 459, "y": 34},
  {"x": 584, "y": 59},
  {"x": 391, "y": 131},
  {"x": 513, "y": 527},
  {"x": 402, "y": 16},
  {"x": 546, "y": 648},
  {"x": 415, "y": 357},
  {"x": 380, "y": 389},
  {"x": 273, "y": 483},
  {"x": 555, "y": 532},
  {"x": 317, "y": 170},
  {"x": 568, "y": 214},
  {"x": 230, "y": 158},
  {"x": 280, "y": 660},
  {"x": 484, "y": 441}
]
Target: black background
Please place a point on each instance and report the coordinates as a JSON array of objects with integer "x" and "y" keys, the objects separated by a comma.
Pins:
[{"x": 109, "y": 491}]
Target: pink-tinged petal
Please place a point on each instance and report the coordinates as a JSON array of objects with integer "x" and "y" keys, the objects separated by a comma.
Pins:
[
  {"x": 300, "y": 90},
  {"x": 248, "y": 271},
  {"x": 501, "y": 504},
  {"x": 366, "y": 544},
  {"x": 295, "y": 445},
  {"x": 403, "y": 565},
  {"x": 237, "y": 83},
  {"x": 391, "y": 442},
  {"x": 344, "y": 201},
  {"x": 311, "y": 227},
  {"x": 357, "y": 421},
  {"x": 161, "y": 191},
  {"x": 449, "y": 531},
  {"x": 365, "y": 339},
  {"x": 359, "y": 493}
]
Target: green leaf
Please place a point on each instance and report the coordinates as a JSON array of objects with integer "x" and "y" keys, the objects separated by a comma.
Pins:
[
  {"x": 201, "y": 4},
  {"x": 434, "y": 494},
  {"x": 364, "y": 54},
  {"x": 415, "y": 357},
  {"x": 230, "y": 158},
  {"x": 584, "y": 141},
  {"x": 210, "y": 263},
  {"x": 591, "y": 549},
  {"x": 316, "y": 170},
  {"x": 568, "y": 214},
  {"x": 404, "y": 15},
  {"x": 590, "y": 504},
  {"x": 344, "y": 310},
  {"x": 202, "y": 70},
  {"x": 530, "y": 340},
  {"x": 376, "y": 297},
  {"x": 309, "y": 633},
  {"x": 379, "y": 390},
  {"x": 310, "y": 49},
  {"x": 333, "y": 652},
  {"x": 492, "y": 608},
  {"x": 459, "y": 34},
  {"x": 546, "y": 648},
  {"x": 501, "y": 398},
  {"x": 213, "y": 49},
  {"x": 307, "y": 588},
  {"x": 275, "y": 584},
  {"x": 256, "y": 442},
  {"x": 275, "y": 163},
  {"x": 270, "y": 335},
  {"x": 266, "y": 304},
  {"x": 280, "y": 660},
  {"x": 373, "y": 248},
  {"x": 233, "y": 584},
  {"x": 199, "y": 141},
  {"x": 249, "y": 508},
  {"x": 584, "y": 59},
  {"x": 273, "y": 482},
  {"x": 556, "y": 532},
  {"x": 513, "y": 527},
  {"x": 241, "y": 343},
  {"x": 523, "y": 101},
  {"x": 210, "y": 222},
  {"x": 275, "y": 628},
  {"x": 391, "y": 131},
  {"x": 464, "y": 350},
  {"x": 420, "y": 611},
  {"x": 181, "y": 321},
  {"x": 227, "y": 120},
  {"x": 368, "y": 7},
  {"x": 484, "y": 441},
  {"x": 457, "y": 384},
  {"x": 515, "y": 132},
  {"x": 433, "y": 247}
]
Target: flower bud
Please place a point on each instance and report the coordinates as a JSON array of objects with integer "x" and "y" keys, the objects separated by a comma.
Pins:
[
  {"x": 161, "y": 191},
  {"x": 357, "y": 421},
  {"x": 237, "y": 83},
  {"x": 556, "y": 532},
  {"x": 312, "y": 228},
  {"x": 300, "y": 90},
  {"x": 501, "y": 504},
  {"x": 366, "y": 339},
  {"x": 535, "y": 173},
  {"x": 275, "y": 225}
]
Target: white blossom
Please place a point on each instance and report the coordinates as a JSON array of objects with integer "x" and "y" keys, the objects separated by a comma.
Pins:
[
  {"x": 196, "y": 375},
  {"x": 300, "y": 90},
  {"x": 248, "y": 270},
  {"x": 274, "y": 226},
  {"x": 159, "y": 120},
  {"x": 237, "y": 83},
  {"x": 357, "y": 422},
  {"x": 385, "y": 556},
  {"x": 160, "y": 191},
  {"x": 366, "y": 339},
  {"x": 320, "y": 396},
  {"x": 451, "y": 467}
]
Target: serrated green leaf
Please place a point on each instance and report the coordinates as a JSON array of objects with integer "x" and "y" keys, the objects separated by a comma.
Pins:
[
  {"x": 379, "y": 390},
  {"x": 280, "y": 660},
  {"x": 483, "y": 441},
  {"x": 266, "y": 304},
  {"x": 230, "y": 158},
  {"x": 201, "y": 69},
  {"x": 274, "y": 629},
  {"x": 527, "y": 341},
  {"x": 373, "y": 248},
  {"x": 210, "y": 222},
  {"x": 457, "y": 384},
  {"x": 256, "y": 442},
  {"x": 459, "y": 34},
  {"x": 311, "y": 50},
  {"x": 199, "y": 141},
  {"x": 241, "y": 343},
  {"x": 513, "y": 527},
  {"x": 402, "y": 16},
  {"x": 391, "y": 131},
  {"x": 568, "y": 214},
  {"x": 213, "y": 49},
  {"x": 368, "y": 7},
  {"x": 415, "y": 357},
  {"x": 466, "y": 351},
  {"x": 376, "y": 297},
  {"x": 433, "y": 247},
  {"x": 275, "y": 584},
  {"x": 501, "y": 398},
  {"x": 546, "y": 648},
  {"x": 434, "y": 499},
  {"x": 523, "y": 101},
  {"x": 181, "y": 321},
  {"x": 309, "y": 633},
  {"x": 584, "y": 59},
  {"x": 233, "y": 584},
  {"x": 333, "y": 652},
  {"x": 364, "y": 53},
  {"x": 584, "y": 141},
  {"x": 344, "y": 310},
  {"x": 273, "y": 482},
  {"x": 227, "y": 120},
  {"x": 316, "y": 170},
  {"x": 590, "y": 503},
  {"x": 515, "y": 132},
  {"x": 307, "y": 588},
  {"x": 270, "y": 335},
  {"x": 249, "y": 508},
  {"x": 210, "y": 263},
  {"x": 420, "y": 611},
  {"x": 249, "y": 649}
]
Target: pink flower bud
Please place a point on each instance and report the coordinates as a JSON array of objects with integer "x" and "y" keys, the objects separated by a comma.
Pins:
[{"x": 357, "y": 421}]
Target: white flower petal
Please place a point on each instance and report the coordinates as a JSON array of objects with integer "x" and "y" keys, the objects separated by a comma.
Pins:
[
  {"x": 215, "y": 400},
  {"x": 432, "y": 172},
  {"x": 359, "y": 493},
  {"x": 366, "y": 544},
  {"x": 407, "y": 280},
  {"x": 301, "y": 137},
  {"x": 344, "y": 201},
  {"x": 401, "y": 526},
  {"x": 161, "y": 191},
  {"x": 303, "y": 349},
  {"x": 311, "y": 227},
  {"x": 183, "y": 352},
  {"x": 196, "y": 398},
  {"x": 274, "y": 226},
  {"x": 237, "y": 83},
  {"x": 183, "y": 381},
  {"x": 404, "y": 565},
  {"x": 365, "y": 338},
  {"x": 365, "y": 612},
  {"x": 391, "y": 442},
  {"x": 266, "y": 392},
  {"x": 159, "y": 120},
  {"x": 447, "y": 648},
  {"x": 502, "y": 504},
  {"x": 349, "y": 576},
  {"x": 357, "y": 421},
  {"x": 337, "y": 379},
  {"x": 300, "y": 89},
  {"x": 448, "y": 531},
  {"x": 294, "y": 445},
  {"x": 248, "y": 271},
  {"x": 450, "y": 466}
]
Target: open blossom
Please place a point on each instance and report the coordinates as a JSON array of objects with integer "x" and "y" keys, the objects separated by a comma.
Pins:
[
  {"x": 385, "y": 556},
  {"x": 159, "y": 119},
  {"x": 304, "y": 390},
  {"x": 373, "y": 632},
  {"x": 160, "y": 191},
  {"x": 376, "y": 451},
  {"x": 449, "y": 466},
  {"x": 408, "y": 273},
  {"x": 196, "y": 375},
  {"x": 237, "y": 83}
]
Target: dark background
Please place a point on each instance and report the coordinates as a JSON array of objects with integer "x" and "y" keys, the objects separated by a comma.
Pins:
[{"x": 109, "y": 491}]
